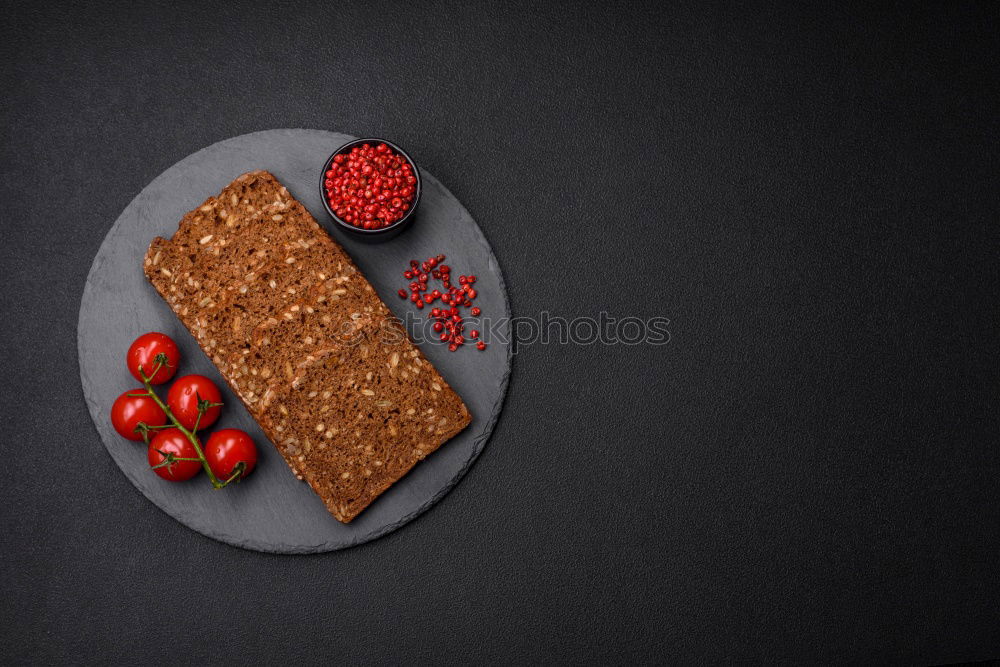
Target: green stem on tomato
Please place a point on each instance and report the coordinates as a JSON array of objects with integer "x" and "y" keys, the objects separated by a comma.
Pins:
[
  {"x": 237, "y": 472},
  {"x": 192, "y": 438}
]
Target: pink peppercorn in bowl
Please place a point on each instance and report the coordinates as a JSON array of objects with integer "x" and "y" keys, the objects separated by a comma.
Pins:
[{"x": 371, "y": 189}]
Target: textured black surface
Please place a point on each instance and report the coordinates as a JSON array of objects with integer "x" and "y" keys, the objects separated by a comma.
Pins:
[
  {"x": 808, "y": 471},
  {"x": 272, "y": 511}
]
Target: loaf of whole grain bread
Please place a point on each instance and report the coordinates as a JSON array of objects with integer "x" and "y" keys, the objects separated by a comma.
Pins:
[{"x": 304, "y": 341}]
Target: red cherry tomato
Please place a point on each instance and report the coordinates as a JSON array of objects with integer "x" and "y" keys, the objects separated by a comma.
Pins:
[
  {"x": 144, "y": 352},
  {"x": 183, "y": 397},
  {"x": 228, "y": 447},
  {"x": 171, "y": 441},
  {"x": 128, "y": 410}
]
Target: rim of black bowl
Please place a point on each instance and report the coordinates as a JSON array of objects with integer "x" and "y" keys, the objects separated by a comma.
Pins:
[{"x": 361, "y": 230}]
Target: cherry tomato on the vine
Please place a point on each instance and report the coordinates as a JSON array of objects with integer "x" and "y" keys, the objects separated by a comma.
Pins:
[
  {"x": 183, "y": 398},
  {"x": 171, "y": 441},
  {"x": 228, "y": 447},
  {"x": 131, "y": 408},
  {"x": 145, "y": 351}
]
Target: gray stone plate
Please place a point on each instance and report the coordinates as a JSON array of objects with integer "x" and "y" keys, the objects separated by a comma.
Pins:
[{"x": 271, "y": 510}]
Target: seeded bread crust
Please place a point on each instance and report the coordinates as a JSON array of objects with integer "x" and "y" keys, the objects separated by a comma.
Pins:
[{"x": 305, "y": 342}]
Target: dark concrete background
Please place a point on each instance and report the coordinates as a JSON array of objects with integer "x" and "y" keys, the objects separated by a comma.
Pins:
[{"x": 807, "y": 472}]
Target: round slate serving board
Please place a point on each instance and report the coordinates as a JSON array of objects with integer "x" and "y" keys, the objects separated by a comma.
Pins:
[{"x": 271, "y": 510}]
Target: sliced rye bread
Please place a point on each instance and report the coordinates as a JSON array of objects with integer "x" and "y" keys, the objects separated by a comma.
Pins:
[
  {"x": 264, "y": 228},
  {"x": 331, "y": 316},
  {"x": 279, "y": 306},
  {"x": 227, "y": 269},
  {"x": 339, "y": 325},
  {"x": 357, "y": 417}
]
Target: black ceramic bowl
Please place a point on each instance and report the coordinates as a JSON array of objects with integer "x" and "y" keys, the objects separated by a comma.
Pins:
[{"x": 383, "y": 233}]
